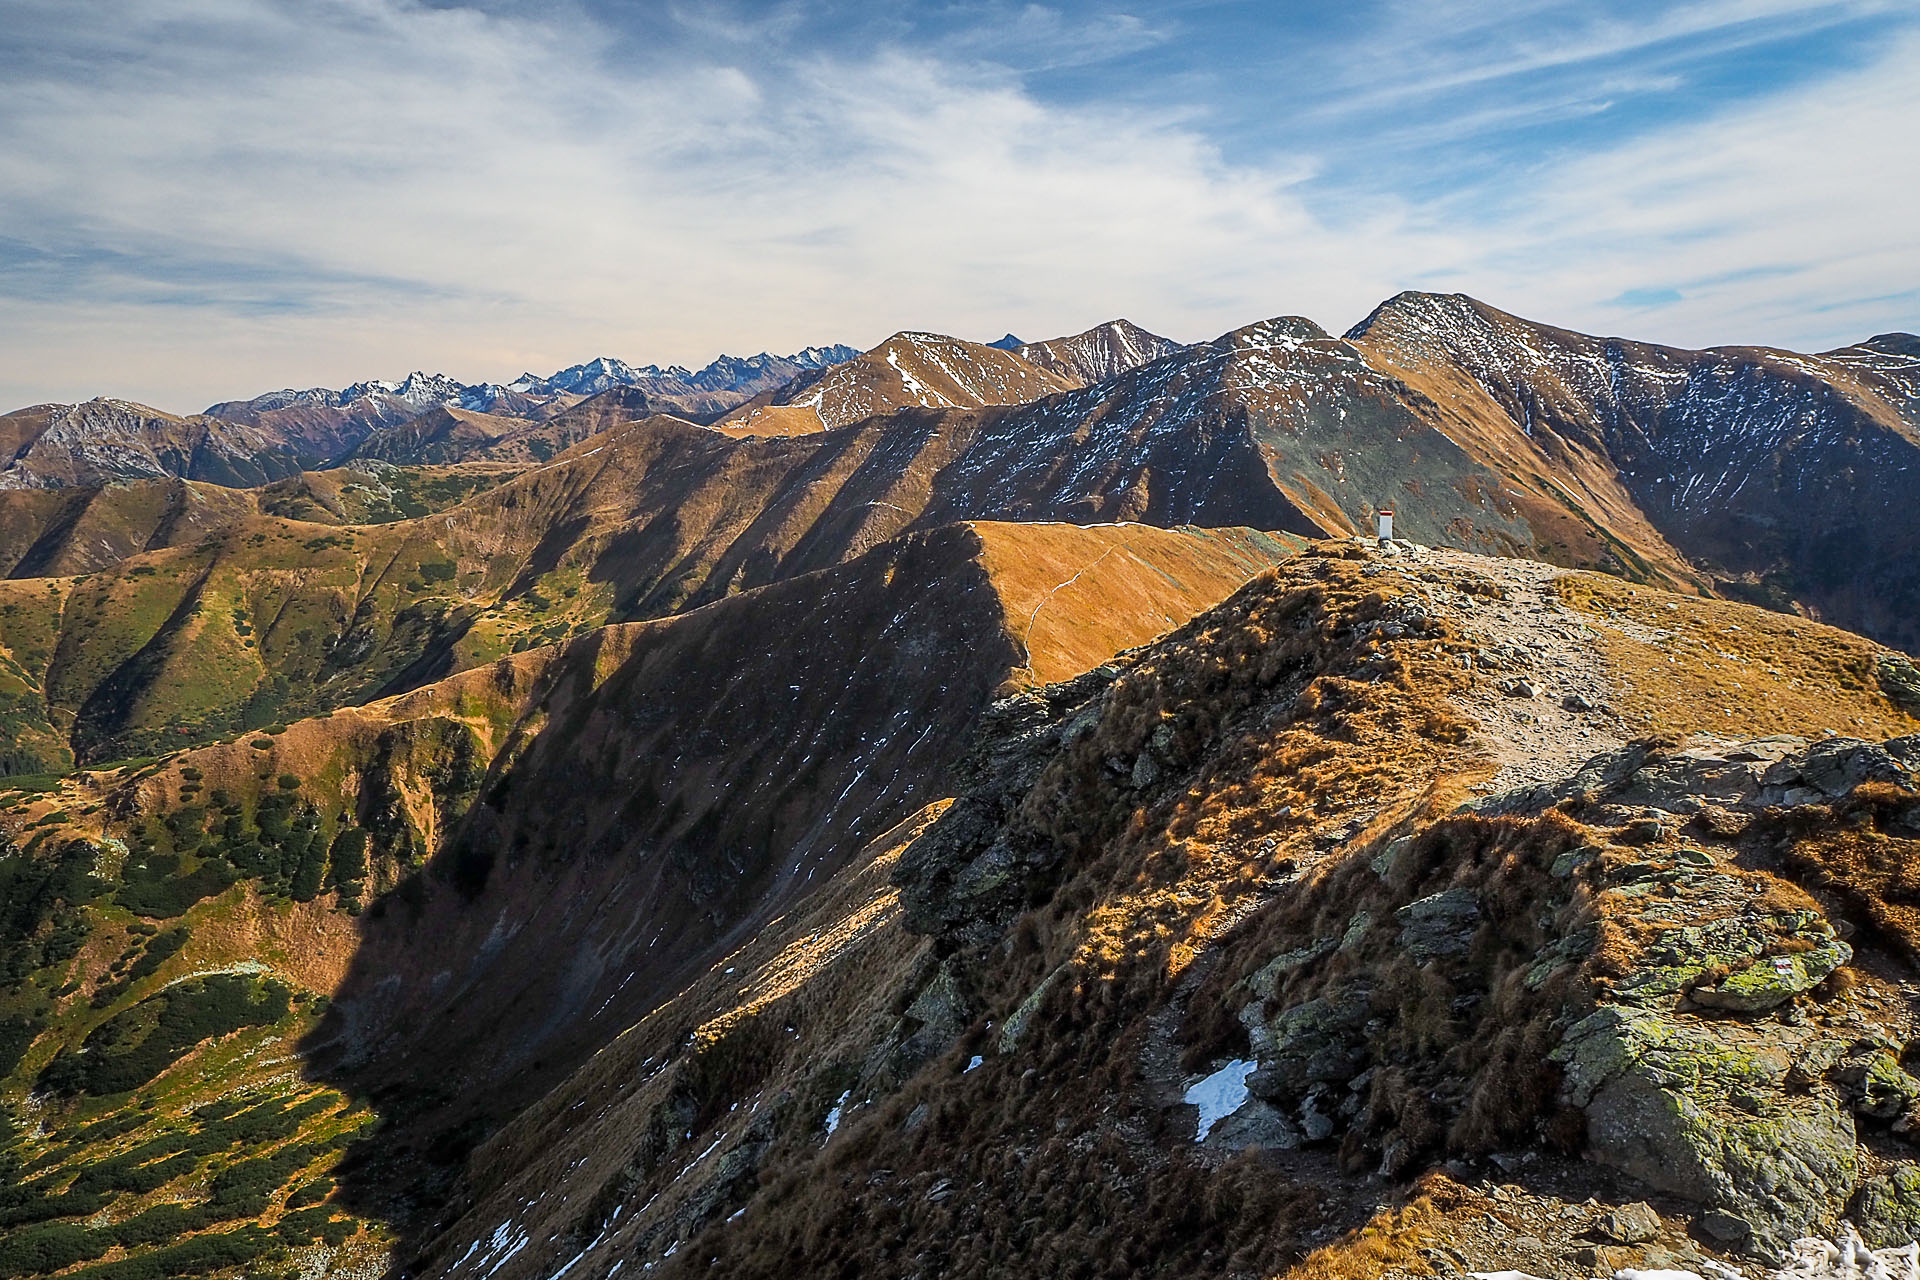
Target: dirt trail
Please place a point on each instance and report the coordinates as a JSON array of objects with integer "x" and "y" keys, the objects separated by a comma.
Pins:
[{"x": 1541, "y": 694}]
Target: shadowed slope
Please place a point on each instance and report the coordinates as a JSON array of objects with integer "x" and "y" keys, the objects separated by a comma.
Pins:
[
  {"x": 1228, "y": 848},
  {"x": 549, "y": 846}
]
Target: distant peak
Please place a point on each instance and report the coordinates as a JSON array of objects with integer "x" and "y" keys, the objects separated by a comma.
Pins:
[
  {"x": 1896, "y": 343},
  {"x": 1282, "y": 330},
  {"x": 1008, "y": 343},
  {"x": 1411, "y": 305}
]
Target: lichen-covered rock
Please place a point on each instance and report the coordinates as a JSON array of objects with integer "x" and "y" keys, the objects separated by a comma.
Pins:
[
  {"x": 972, "y": 872},
  {"x": 1877, "y": 1086},
  {"x": 1014, "y": 1030},
  {"x": 940, "y": 1004},
  {"x": 1631, "y": 1223},
  {"x": 1828, "y": 770},
  {"x": 1900, "y": 681},
  {"x": 1701, "y": 1110},
  {"x": 1319, "y": 1041},
  {"x": 1771, "y": 982},
  {"x": 1738, "y": 947},
  {"x": 1886, "y": 1211}
]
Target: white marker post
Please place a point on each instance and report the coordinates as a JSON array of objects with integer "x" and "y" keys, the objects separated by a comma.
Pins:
[{"x": 1386, "y": 525}]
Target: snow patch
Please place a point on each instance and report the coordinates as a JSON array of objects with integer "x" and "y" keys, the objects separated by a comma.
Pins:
[{"x": 1220, "y": 1094}]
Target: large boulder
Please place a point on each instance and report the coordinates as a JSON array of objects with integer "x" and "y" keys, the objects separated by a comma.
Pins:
[
  {"x": 1886, "y": 1211},
  {"x": 1703, "y": 1110}
]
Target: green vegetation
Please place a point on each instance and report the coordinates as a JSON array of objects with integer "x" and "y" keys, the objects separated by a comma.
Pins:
[
  {"x": 196, "y": 1256},
  {"x": 41, "y": 922},
  {"x": 348, "y": 861},
  {"x": 137, "y": 1044},
  {"x": 245, "y": 1188},
  {"x": 157, "y": 886},
  {"x": 310, "y": 1193}
]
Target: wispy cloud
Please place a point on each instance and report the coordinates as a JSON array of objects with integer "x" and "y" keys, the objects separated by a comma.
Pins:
[{"x": 204, "y": 198}]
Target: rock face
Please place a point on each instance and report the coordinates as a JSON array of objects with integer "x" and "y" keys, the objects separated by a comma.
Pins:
[
  {"x": 1683, "y": 995},
  {"x": 1700, "y": 1072},
  {"x": 1707, "y": 1114}
]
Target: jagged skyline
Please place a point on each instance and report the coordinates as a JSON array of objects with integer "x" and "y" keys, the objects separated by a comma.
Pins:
[{"x": 197, "y": 199}]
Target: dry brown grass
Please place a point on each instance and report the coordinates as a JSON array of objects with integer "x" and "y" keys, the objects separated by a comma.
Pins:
[
  {"x": 1865, "y": 851},
  {"x": 1284, "y": 711},
  {"x": 1711, "y": 666},
  {"x": 1076, "y": 596},
  {"x": 1390, "y": 1242}
]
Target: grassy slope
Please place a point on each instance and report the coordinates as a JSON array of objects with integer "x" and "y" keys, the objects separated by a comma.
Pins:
[
  {"x": 266, "y": 618},
  {"x": 1054, "y": 1157},
  {"x": 407, "y": 768}
]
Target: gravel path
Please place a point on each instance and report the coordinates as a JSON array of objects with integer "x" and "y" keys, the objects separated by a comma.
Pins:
[{"x": 1541, "y": 694}]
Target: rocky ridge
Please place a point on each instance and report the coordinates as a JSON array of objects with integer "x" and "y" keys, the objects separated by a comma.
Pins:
[{"x": 1226, "y": 913}]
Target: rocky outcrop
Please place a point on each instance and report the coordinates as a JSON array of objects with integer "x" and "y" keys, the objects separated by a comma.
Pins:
[
  {"x": 965, "y": 880},
  {"x": 1698, "y": 1030}
]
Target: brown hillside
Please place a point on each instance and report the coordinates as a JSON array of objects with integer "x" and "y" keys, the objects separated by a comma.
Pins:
[
  {"x": 1102, "y": 352},
  {"x": 1778, "y": 476},
  {"x": 926, "y": 370},
  {"x": 638, "y": 801},
  {"x": 1258, "y": 808}
]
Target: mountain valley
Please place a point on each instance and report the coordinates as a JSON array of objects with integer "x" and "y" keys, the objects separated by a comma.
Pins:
[{"x": 966, "y": 809}]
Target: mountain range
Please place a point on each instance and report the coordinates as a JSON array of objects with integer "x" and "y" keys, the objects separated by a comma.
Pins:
[
  {"x": 272, "y": 436},
  {"x": 970, "y": 809}
]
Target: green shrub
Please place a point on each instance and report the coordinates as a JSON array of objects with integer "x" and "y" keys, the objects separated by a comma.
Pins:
[
  {"x": 29, "y": 1203},
  {"x": 347, "y": 861},
  {"x": 155, "y": 887},
  {"x": 161, "y": 1222},
  {"x": 50, "y": 1248},
  {"x": 36, "y": 892},
  {"x": 229, "y": 1122},
  {"x": 158, "y": 951},
  {"x": 219, "y": 1109},
  {"x": 310, "y": 872},
  {"x": 189, "y": 1258},
  {"x": 17, "y": 1034},
  {"x": 245, "y": 1189},
  {"x": 308, "y": 1224},
  {"x": 310, "y": 1193},
  {"x": 126, "y": 1173},
  {"x": 137, "y": 1044},
  {"x": 106, "y": 1130}
]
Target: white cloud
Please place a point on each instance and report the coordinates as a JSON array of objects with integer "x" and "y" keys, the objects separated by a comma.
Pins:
[
  {"x": 1784, "y": 222},
  {"x": 207, "y": 198}
]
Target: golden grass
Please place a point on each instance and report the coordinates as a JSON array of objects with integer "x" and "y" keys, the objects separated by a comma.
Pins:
[
  {"x": 1862, "y": 851},
  {"x": 1711, "y": 666},
  {"x": 1390, "y": 1241},
  {"x": 1076, "y": 596}
]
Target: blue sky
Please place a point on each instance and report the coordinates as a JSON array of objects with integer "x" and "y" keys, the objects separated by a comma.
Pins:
[{"x": 208, "y": 198}]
